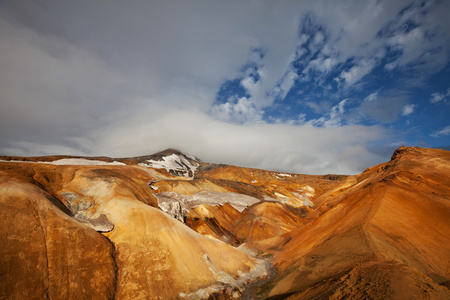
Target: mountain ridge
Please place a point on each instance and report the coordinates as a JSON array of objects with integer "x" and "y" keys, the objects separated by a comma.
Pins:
[{"x": 155, "y": 232}]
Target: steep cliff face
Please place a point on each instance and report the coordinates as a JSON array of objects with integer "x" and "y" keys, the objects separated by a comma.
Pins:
[{"x": 171, "y": 226}]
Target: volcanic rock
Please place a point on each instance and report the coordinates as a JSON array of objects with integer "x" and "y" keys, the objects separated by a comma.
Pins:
[
  {"x": 109, "y": 228},
  {"x": 45, "y": 253},
  {"x": 395, "y": 214}
]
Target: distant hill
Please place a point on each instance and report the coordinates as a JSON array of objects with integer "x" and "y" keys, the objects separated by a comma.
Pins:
[{"x": 443, "y": 148}]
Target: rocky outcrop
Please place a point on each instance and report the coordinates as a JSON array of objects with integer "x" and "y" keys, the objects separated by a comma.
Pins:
[
  {"x": 215, "y": 221},
  {"x": 100, "y": 224}
]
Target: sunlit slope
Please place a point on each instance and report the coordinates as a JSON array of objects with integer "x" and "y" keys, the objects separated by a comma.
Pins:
[
  {"x": 122, "y": 228},
  {"x": 45, "y": 253},
  {"x": 264, "y": 183},
  {"x": 47, "y": 211},
  {"x": 395, "y": 216}
]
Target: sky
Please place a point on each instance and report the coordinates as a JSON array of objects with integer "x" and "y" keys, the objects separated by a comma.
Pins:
[{"x": 311, "y": 87}]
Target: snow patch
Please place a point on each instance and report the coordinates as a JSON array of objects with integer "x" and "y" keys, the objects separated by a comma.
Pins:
[
  {"x": 301, "y": 198},
  {"x": 305, "y": 198},
  {"x": 254, "y": 179},
  {"x": 307, "y": 190},
  {"x": 284, "y": 175},
  {"x": 72, "y": 161},
  {"x": 305, "y": 194},
  {"x": 177, "y": 165},
  {"x": 179, "y": 205},
  {"x": 84, "y": 162}
]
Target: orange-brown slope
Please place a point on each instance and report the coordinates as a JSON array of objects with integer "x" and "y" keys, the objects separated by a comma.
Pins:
[
  {"x": 54, "y": 178},
  {"x": 376, "y": 280},
  {"x": 215, "y": 221},
  {"x": 261, "y": 221},
  {"x": 268, "y": 181},
  {"x": 397, "y": 212},
  {"x": 266, "y": 220},
  {"x": 158, "y": 256},
  {"x": 46, "y": 254},
  {"x": 44, "y": 209}
]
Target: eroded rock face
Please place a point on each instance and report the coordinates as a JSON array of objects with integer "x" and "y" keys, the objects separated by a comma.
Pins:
[
  {"x": 100, "y": 224},
  {"x": 215, "y": 221},
  {"x": 45, "y": 253}
]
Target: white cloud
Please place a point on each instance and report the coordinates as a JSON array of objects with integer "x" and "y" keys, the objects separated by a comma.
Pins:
[
  {"x": 240, "y": 111},
  {"x": 333, "y": 119},
  {"x": 440, "y": 97},
  {"x": 408, "y": 109},
  {"x": 284, "y": 147},
  {"x": 443, "y": 132},
  {"x": 285, "y": 85},
  {"x": 422, "y": 46},
  {"x": 316, "y": 107},
  {"x": 119, "y": 79},
  {"x": 321, "y": 64},
  {"x": 249, "y": 84},
  {"x": 436, "y": 97},
  {"x": 357, "y": 72}
]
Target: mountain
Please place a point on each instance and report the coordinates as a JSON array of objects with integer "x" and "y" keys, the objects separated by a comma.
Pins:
[
  {"x": 169, "y": 225},
  {"x": 384, "y": 236}
]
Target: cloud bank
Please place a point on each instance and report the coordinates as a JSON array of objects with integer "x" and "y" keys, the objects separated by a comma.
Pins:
[{"x": 261, "y": 84}]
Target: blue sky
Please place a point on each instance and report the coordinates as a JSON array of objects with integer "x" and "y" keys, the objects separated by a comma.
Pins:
[{"x": 297, "y": 86}]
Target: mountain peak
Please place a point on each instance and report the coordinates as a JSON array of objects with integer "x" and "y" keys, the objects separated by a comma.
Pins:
[{"x": 174, "y": 161}]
